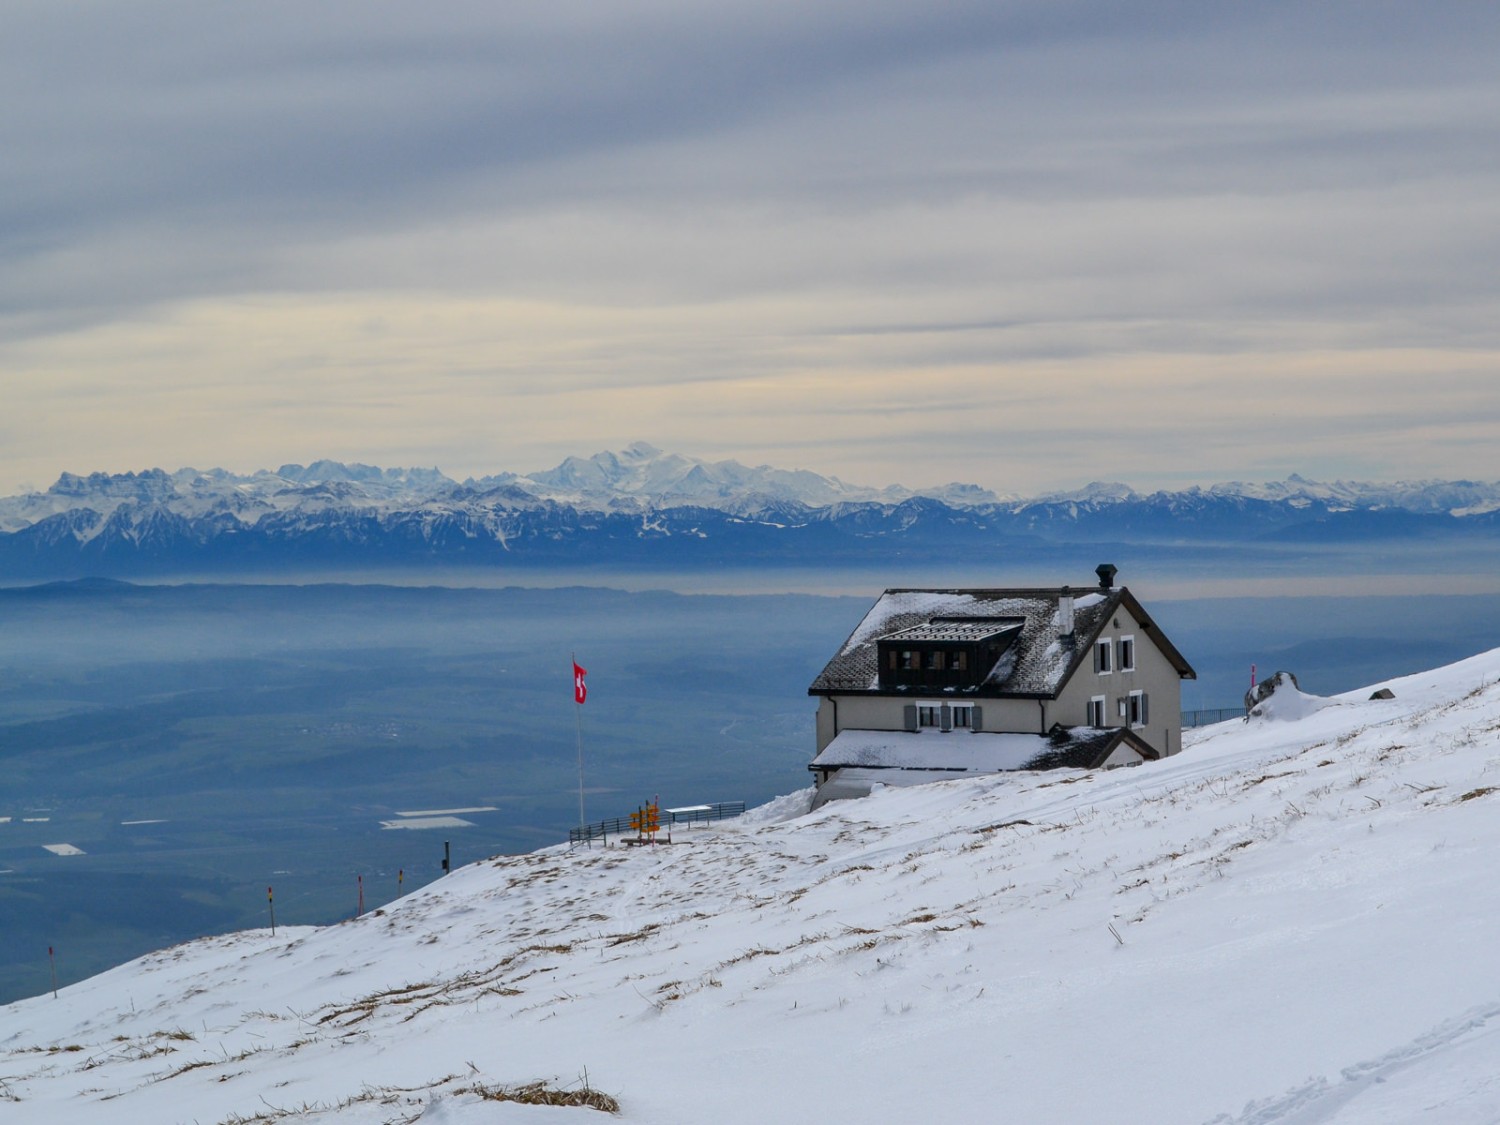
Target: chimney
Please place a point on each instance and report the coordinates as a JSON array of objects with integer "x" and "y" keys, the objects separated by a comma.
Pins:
[
  {"x": 1106, "y": 573},
  {"x": 1065, "y": 613}
]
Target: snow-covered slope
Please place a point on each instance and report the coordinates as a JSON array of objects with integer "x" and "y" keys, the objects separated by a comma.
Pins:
[{"x": 1291, "y": 921}]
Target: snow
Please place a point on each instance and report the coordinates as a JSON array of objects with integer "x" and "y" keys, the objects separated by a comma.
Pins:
[
  {"x": 783, "y": 808},
  {"x": 897, "y": 603},
  {"x": 953, "y": 750},
  {"x": 640, "y": 476},
  {"x": 1289, "y": 922},
  {"x": 422, "y": 822},
  {"x": 1287, "y": 702}
]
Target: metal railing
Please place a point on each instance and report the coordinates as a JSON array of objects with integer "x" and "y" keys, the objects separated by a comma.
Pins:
[
  {"x": 621, "y": 826},
  {"x": 1210, "y": 716}
]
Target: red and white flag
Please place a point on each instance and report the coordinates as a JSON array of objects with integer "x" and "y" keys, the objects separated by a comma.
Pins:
[{"x": 580, "y": 689}]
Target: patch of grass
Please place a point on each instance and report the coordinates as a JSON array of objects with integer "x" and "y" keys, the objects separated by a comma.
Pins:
[
  {"x": 747, "y": 955},
  {"x": 1003, "y": 824},
  {"x": 198, "y": 1065},
  {"x": 639, "y": 935},
  {"x": 1472, "y": 793},
  {"x": 542, "y": 1093},
  {"x": 1266, "y": 777}
]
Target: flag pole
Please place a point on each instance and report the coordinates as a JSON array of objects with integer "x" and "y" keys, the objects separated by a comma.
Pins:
[{"x": 578, "y": 722}]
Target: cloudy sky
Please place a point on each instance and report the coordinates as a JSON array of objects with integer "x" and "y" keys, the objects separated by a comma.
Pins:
[{"x": 1025, "y": 244}]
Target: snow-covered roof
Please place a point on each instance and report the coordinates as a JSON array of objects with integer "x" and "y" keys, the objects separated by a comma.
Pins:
[
  {"x": 1038, "y": 662},
  {"x": 958, "y": 629},
  {"x": 969, "y": 751}
]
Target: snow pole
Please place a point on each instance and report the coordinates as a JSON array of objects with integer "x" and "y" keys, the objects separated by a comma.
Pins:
[
  {"x": 52, "y": 960},
  {"x": 360, "y": 909},
  {"x": 271, "y": 904}
]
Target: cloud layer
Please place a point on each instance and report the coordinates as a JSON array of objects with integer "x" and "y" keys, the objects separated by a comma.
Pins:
[{"x": 1026, "y": 244}]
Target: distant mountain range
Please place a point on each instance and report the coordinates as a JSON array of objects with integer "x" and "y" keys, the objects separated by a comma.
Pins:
[{"x": 643, "y": 507}]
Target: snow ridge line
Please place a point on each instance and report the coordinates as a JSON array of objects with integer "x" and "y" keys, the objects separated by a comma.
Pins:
[{"x": 1318, "y": 1100}]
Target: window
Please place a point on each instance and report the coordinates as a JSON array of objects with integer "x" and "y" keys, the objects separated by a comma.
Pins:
[
  {"x": 1138, "y": 710},
  {"x": 963, "y": 717},
  {"x": 928, "y": 714},
  {"x": 1104, "y": 657},
  {"x": 910, "y": 659},
  {"x": 1127, "y": 654},
  {"x": 1096, "y": 711},
  {"x": 934, "y": 661},
  {"x": 960, "y": 662}
]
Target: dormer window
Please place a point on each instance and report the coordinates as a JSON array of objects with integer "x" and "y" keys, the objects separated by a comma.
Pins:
[{"x": 946, "y": 653}]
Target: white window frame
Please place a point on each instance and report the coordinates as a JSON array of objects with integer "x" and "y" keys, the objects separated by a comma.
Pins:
[
  {"x": 1138, "y": 713},
  {"x": 932, "y": 710},
  {"x": 1097, "y": 704},
  {"x": 1104, "y": 656},
  {"x": 1127, "y": 645},
  {"x": 967, "y": 710}
]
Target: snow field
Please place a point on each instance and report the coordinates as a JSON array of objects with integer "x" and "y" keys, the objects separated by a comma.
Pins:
[{"x": 1292, "y": 921}]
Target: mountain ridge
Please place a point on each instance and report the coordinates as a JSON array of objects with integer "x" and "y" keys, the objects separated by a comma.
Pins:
[{"x": 642, "y": 506}]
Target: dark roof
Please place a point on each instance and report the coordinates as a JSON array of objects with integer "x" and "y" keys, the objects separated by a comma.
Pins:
[
  {"x": 1086, "y": 748},
  {"x": 1036, "y": 664}
]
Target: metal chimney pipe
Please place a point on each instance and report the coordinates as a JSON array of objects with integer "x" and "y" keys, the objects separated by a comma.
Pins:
[{"x": 1106, "y": 573}]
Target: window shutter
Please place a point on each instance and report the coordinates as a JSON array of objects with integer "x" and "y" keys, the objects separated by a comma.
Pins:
[
  {"x": 976, "y": 718},
  {"x": 1097, "y": 669},
  {"x": 1145, "y": 711},
  {"x": 910, "y": 713},
  {"x": 945, "y": 717}
]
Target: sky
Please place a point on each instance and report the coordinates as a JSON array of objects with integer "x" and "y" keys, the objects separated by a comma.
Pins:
[{"x": 1021, "y": 244}]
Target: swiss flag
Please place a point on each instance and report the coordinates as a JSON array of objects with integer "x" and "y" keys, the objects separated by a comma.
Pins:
[{"x": 580, "y": 689}]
